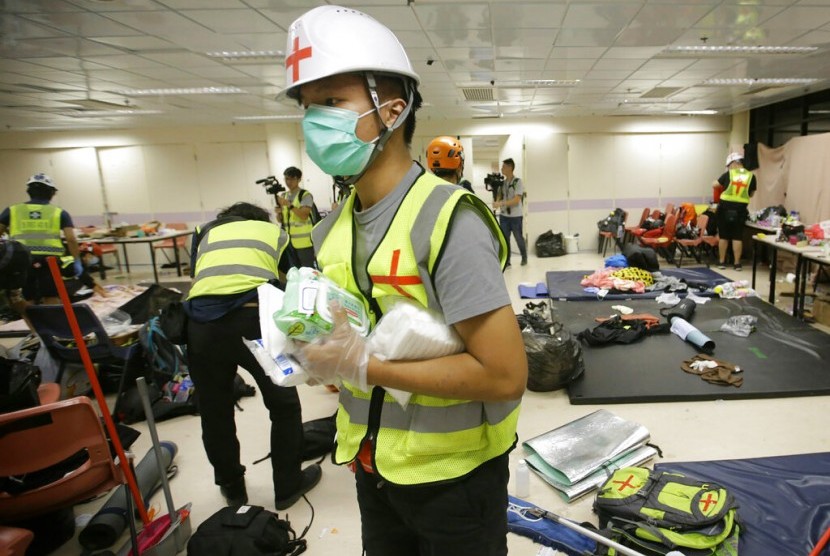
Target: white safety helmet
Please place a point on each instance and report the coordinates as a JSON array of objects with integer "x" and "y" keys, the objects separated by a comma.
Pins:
[
  {"x": 43, "y": 179},
  {"x": 330, "y": 40},
  {"x": 733, "y": 157}
]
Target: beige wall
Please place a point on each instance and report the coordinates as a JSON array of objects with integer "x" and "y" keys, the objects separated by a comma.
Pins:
[{"x": 575, "y": 170}]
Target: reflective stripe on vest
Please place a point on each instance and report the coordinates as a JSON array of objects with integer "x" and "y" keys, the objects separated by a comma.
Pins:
[
  {"x": 299, "y": 230},
  {"x": 738, "y": 190},
  {"x": 237, "y": 257},
  {"x": 38, "y": 227},
  {"x": 434, "y": 439}
]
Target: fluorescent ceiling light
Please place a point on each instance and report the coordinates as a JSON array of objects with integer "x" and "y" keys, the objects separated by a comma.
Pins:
[
  {"x": 108, "y": 113},
  {"x": 732, "y": 49},
  {"x": 539, "y": 83},
  {"x": 247, "y": 54},
  {"x": 762, "y": 81},
  {"x": 694, "y": 112},
  {"x": 181, "y": 91},
  {"x": 269, "y": 117}
]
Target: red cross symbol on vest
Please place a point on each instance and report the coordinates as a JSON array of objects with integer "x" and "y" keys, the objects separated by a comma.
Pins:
[
  {"x": 704, "y": 502},
  {"x": 293, "y": 60},
  {"x": 393, "y": 279},
  {"x": 626, "y": 483}
]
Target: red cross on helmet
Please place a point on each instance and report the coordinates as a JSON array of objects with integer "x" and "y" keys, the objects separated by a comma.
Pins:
[
  {"x": 330, "y": 40},
  {"x": 446, "y": 153}
]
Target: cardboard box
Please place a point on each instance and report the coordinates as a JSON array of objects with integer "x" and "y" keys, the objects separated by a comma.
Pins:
[{"x": 821, "y": 309}]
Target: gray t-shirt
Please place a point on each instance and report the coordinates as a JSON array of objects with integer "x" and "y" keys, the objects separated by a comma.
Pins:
[
  {"x": 512, "y": 189},
  {"x": 306, "y": 201},
  {"x": 468, "y": 281}
]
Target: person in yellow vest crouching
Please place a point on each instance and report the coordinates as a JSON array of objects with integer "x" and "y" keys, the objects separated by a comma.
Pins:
[
  {"x": 38, "y": 225},
  {"x": 406, "y": 233},
  {"x": 295, "y": 206},
  {"x": 233, "y": 255}
]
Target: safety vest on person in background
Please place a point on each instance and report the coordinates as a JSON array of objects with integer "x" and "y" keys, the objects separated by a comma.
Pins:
[
  {"x": 433, "y": 439},
  {"x": 237, "y": 257},
  {"x": 738, "y": 190},
  {"x": 298, "y": 230},
  {"x": 38, "y": 227}
]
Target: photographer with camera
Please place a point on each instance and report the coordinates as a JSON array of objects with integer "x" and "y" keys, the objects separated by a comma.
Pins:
[
  {"x": 295, "y": 216},
  {"x": 510, "y": 203}
]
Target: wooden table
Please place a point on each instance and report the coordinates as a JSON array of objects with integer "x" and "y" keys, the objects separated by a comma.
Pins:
[
  {"x": 149, "y": 240},
  {"x": 770, "y": 243}
]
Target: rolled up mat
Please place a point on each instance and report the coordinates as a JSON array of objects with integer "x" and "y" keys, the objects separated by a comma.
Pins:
[
  {"x": 109, "y": 523},
  {"x": 686, "y": 331}
]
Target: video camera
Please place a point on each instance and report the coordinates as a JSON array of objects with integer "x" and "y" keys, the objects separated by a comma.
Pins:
[
  {"x": 493, "y": 182},
  {"x": 272, "y": 185}
]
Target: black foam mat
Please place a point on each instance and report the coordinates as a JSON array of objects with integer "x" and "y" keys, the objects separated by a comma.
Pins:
[
  {"x": 564, "y": 284},
  {"x": 783, "y": 501},
  {"x": 783, "y": 357}
]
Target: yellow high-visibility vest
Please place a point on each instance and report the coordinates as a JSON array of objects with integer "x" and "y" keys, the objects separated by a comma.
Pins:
[
  {"x": 38, "y": 227},
  {"x": 237, "y": 257},
  {"x": 298, "y": 230},
  {"x": 738, "y": 189},
  {"x": 433, "y": 439}
]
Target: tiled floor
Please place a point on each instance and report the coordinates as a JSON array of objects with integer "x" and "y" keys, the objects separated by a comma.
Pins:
[{"x": 685, "y": 432}]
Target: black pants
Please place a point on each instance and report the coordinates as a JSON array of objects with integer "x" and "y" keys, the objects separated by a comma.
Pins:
[
  {"x": 512, "y": 225},
  {"x": 466, "y": 517},
  {"x": 214, "y": 351}
]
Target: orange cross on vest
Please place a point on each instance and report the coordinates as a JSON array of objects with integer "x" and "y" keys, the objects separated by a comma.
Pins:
[
  {"x": 706, "y": 501},
  {"x": 293, "y": 59},
  {"x": 393, "y": 279}
]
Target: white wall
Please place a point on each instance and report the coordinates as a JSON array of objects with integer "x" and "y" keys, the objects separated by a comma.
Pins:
[{"x": 575, "y": 170}]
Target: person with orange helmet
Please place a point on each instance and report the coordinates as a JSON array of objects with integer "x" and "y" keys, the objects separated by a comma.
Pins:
[
  {"x": 738, "y": 185},
  {"x": 445, "y": 157},
  {"x": 406, "y": 235}
]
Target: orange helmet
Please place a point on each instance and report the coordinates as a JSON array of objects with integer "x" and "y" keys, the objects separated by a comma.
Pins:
[{"x": 445, "y": 153}]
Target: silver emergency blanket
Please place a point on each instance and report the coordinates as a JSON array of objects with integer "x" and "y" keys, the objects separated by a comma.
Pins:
[
  {"x": 636, "y": 457},
  {"x": 577, "y": 450}
]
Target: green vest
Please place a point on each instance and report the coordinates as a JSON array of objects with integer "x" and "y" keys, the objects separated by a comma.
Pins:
[
  {"x": 38, "y": 227},
  {"x": 738, "y": 190},
  {"x": 299, "y": 230},
  {"x": 237, "y": 257},
  {"x": 433, "y": 439}
]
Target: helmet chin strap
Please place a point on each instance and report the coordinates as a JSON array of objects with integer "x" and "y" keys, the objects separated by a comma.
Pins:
[{"x": 386, "y": 134}]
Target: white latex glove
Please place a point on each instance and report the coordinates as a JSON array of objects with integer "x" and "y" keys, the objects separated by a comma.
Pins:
[{"x": 341, "y": 354}]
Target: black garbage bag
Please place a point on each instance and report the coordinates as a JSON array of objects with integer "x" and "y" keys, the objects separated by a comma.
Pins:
[
  {"x": 554, "y": 357},
  {"x": 550, "y": 244}
]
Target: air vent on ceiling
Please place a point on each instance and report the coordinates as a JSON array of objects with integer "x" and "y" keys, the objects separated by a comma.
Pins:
[
  {"x": 46, "y": 89},
  {"x": 478, "y": 93},
  {"x": 487, "y": 117},
  {"x": 660, "y": 92},
  {"x": 761, "y": 89}
]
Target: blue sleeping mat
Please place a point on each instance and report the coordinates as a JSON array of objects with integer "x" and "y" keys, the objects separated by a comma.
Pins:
[
  {"x": 784, "y": 501},
  {"x": 564, "y": 284}
]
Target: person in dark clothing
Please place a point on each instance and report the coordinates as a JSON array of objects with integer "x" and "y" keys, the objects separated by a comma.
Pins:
[
  {"x": 235, "y": 254},
  {"x": 739, "y": 185}
]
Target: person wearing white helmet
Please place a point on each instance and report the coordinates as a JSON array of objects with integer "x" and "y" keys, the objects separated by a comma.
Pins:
[
  {"x": 738, "y": 185},
  {"x": 405, "y": 233},
  {"x": 38, "y": 225}
]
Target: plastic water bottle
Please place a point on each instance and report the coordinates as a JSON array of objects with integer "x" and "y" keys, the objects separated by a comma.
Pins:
[{"x": 522, "y": 480}]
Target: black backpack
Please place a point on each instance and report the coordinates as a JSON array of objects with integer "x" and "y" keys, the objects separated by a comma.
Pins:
[
  {"x": 315, "y": 213},
  {"x": 245, "y": 531}
]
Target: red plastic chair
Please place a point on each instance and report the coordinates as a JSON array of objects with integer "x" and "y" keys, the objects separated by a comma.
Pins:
[
  {"x": 37, "y": 438},
  {"x": 664, "y": 245},
  {"x": 693, "y": 247},
  {"x": 636, "y": 231},
  {"x": 14, "y": 541},
  {"x": 606, "y": 237}
]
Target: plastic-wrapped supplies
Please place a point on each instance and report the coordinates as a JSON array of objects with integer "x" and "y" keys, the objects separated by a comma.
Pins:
[
  {"x": 270, "y": 351},
  {"x": 304, "y": 314},
  {"x": 408, "y": 331}
]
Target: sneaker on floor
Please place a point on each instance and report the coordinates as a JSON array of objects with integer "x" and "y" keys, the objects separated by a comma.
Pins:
[
  {"x": 311, "y": 476},
  {"x": 234, "y": 492},
  {"x": 524, "y": 262},
  {"x": 507, "y": 266},
  {"x": 738, "y": 267},
  {"x": 722, "y": 266}
]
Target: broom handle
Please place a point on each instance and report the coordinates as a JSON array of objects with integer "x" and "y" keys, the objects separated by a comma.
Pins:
[
  {"x": 821, "y": 543},
  {"x": 622, "y": 549},
  {"x": 96, "y": 388},
  {"x": 141, "y": 383}
]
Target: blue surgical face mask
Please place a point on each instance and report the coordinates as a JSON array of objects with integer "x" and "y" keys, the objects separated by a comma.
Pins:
[{"x": 331, "y": 142}]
